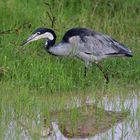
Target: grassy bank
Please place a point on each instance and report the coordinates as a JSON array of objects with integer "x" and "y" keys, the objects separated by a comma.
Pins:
[
  {"x": 29, "y": 75},
  {"x": 26, "y": 112},
  {"x": 33, "y": 67}
]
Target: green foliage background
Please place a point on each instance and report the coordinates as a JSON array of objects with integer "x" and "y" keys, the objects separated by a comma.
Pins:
[
  {"x": 32, "y": 67},
  {"x": 28, "y": 75}
]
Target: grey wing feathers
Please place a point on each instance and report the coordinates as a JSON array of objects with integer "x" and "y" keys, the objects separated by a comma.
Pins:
[{"x": 100, "y": 45}]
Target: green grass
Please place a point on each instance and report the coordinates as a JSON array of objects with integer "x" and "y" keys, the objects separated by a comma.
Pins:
[
  {"x": 30, "y": 78},
  {"x": 26, "y": 109},
  {"x": 35, "y": 68}
]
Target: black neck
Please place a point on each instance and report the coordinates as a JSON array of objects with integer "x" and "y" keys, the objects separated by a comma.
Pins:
[{"x": 50, "y": 44}]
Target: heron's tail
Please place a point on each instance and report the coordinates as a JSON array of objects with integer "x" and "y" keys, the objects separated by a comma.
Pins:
[
  {"x": 122, "y": 51},
  {"x": 126, "y": 52},
  {"x": 129, "y": 55},
  {"x": 120, "y": 54}
]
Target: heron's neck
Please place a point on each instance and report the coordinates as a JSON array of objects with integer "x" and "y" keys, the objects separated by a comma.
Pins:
[
  {"x": 49, "y": 44},
  {"x": 52, "y": 38}
]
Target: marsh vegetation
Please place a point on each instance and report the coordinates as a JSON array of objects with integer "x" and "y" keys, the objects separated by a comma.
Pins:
[{"x": 35, "y": 85}]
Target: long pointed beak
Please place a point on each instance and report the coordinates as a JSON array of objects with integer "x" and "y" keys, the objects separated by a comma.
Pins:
[
  {"x": 24, "y": 43},
  {"x": 30, "y": 39}
]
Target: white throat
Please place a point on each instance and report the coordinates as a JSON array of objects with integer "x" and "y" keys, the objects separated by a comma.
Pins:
[
  {"x": 48, "y": 35},
  {"x": 46, "y": 43}
]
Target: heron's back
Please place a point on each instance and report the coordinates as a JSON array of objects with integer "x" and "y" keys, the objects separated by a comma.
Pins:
[{"x": 94, "y": 43}]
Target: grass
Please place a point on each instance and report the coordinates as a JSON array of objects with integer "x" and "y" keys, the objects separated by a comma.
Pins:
[
  {"x": 26, "y": 110},
  {"x": 30, "y": 78},
  {"x": 33, "y": 67}
]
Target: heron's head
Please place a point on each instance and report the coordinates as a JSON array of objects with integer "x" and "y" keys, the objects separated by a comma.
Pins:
[{"x": 40, "y": 33}]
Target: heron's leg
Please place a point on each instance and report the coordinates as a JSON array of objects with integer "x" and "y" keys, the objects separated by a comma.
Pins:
[
  {"x": 105, "y": 73},
  {"x": 86, "y": 66},
  {"x": 85, "y": 71}
]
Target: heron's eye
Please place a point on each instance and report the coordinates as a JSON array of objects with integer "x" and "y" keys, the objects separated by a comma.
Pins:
[{"x": 38, "y": 33}]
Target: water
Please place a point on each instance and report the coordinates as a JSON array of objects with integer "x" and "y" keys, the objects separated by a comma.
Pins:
[
  {"x": 125, "y": 113},
  {"x": 129, "y": 129}
]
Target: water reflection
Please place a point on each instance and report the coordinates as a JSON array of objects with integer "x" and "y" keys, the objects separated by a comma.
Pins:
[
  {"x": 115, "y": 118},
  {"x": 92, "y": 121}
]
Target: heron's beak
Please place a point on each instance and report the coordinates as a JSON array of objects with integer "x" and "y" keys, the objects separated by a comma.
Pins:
[{"x": 30, "y": 39}]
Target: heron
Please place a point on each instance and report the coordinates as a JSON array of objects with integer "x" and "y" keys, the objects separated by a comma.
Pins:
[{"x": 83, "y": 43}]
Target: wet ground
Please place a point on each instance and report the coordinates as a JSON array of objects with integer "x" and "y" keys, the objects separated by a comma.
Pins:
[{"x": 111, "y": 118}]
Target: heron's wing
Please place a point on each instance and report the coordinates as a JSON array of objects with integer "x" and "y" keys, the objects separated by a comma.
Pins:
[{"x": 100, "y": 45}]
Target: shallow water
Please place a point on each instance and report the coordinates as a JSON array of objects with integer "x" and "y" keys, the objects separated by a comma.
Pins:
[
  {"x": 119, "y": 119},
  {"x": 129, "y": 129}
]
